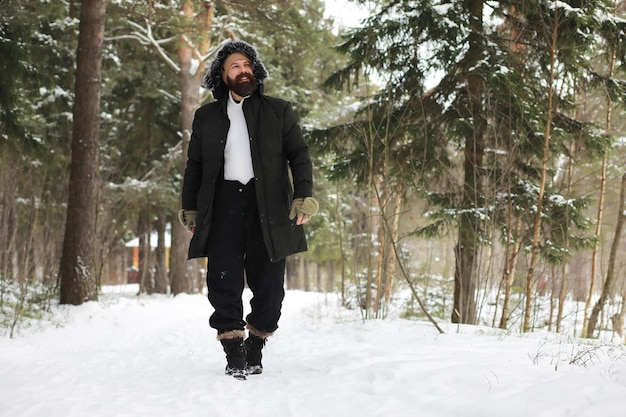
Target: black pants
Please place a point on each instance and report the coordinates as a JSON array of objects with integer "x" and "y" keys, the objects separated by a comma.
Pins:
[{"x": 237, "y": 249}]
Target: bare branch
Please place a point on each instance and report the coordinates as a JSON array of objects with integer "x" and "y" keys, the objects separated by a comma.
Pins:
[{"x": 145, "y": 37}]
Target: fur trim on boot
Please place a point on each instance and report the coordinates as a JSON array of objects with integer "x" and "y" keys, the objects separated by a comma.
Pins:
[
  {"x": 231, "y": 334},
  {"x": 258, "y": 333}
]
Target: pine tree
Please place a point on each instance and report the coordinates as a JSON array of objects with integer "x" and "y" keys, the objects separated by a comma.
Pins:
[
  {"x": 77, "y": 269},
  {"x": 489, "y": 105}
]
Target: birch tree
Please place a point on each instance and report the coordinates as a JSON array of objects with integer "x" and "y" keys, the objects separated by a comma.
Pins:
[
  {"x": 530, "y": 277},
  {"x": 586, "y": 331},
  {"x": 608, "y": 289}
]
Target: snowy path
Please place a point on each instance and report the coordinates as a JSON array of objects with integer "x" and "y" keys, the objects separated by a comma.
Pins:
[{"x": 156, "y": 356}]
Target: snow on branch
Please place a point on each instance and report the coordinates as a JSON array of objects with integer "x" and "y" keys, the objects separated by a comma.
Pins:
[{"x": 145, "y": 37}]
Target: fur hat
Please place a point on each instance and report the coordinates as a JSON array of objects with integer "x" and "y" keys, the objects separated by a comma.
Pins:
[{"x": 213, "y": 78}]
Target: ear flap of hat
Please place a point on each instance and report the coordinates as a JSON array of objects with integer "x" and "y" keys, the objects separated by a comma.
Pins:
[{"x": 213, "y": 78}]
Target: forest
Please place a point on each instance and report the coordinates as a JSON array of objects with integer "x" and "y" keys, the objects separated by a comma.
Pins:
[{"x": 469, "y": 156}]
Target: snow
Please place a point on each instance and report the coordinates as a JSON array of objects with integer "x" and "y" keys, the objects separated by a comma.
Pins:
[{"x": 130, "y": 355}]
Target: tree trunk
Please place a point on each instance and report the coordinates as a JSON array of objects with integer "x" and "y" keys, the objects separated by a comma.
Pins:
[
  {"x": 382, "y": 244},
  {"x": 552, "y": 296},
  {"x": 372, "y": 236},
  {"x": 160, "y": 270},
  {"x": 330, "y": 278},
  {"x": 189, "y": 81},
  {"x": 8, "y": 223},
  {"x": 602, "y": 191},
  {"x": 301, "y": 275},
  {"x": 464, "y": 309},
  {"x": 509, "y": 268},
  {"x": 291, "y": 268},
  {"x": 609, "y": 284},
  {"x": 565, "y": 266},
  {"x": 319, "y": 276},
  {"x": 77, "y": 269},
  {"x": 391, "y": 257},
  {"x": 617, "y": 320},
  {"x": 145, "y": 253},
  {"x": 342, "y": 259},
  {"x": 596, "y": 243},
  {"x": 530, "y": 278},
  {"x": 306, "y": 268}
]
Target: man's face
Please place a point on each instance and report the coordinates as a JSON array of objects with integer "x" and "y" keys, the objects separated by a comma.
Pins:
[{"x": 238, "y": 74}]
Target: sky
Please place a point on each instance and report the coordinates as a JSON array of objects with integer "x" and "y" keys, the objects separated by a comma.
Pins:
[
  {"x": 346, "y": 13},
  {"x": 155, "y": 355}
]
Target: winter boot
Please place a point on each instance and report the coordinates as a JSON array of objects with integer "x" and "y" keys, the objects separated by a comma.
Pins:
[
  {"x": 254, "y": 345},
  {"x": 235, "y": 357}
]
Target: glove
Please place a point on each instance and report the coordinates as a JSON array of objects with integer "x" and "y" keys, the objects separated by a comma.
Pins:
[
  {"x": 304, "y": 208},
  {"x": 188, "y": 218}
]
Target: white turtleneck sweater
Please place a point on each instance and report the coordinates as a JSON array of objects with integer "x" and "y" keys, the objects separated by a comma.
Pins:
[{"x": 237, "y": 156}]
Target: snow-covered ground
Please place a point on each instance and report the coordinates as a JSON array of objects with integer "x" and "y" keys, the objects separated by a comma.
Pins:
[{"x": 129, "y": 355}]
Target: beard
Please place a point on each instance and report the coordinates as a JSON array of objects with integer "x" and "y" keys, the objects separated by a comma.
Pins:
[{"x": 242, "y": 88}]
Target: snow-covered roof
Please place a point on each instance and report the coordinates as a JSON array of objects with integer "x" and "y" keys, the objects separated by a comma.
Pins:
[{"x": 154, "y": 237}]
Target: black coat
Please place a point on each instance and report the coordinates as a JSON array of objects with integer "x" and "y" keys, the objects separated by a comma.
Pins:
[{"x": 276, "y": 145}]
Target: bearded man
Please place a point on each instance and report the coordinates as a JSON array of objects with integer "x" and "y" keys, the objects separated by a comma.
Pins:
[{"x": 244, "y": 209}]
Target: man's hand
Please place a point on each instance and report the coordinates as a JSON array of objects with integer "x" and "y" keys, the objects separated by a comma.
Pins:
[
  {"x": 188, "y": 219},
  {"x": 304, "y": 208}
]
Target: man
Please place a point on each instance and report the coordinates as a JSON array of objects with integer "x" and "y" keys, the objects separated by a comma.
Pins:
[{"x": 245, "y": 213}]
